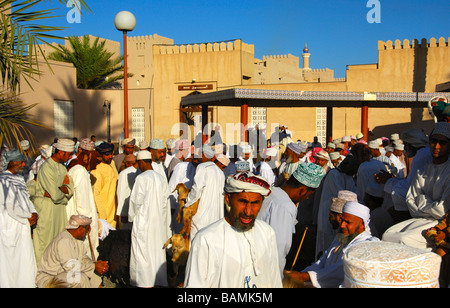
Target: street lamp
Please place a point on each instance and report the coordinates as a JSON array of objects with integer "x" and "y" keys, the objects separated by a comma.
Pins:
[
  {"x": 125, "y": 21},
  {"x": 107, "y": 111}
]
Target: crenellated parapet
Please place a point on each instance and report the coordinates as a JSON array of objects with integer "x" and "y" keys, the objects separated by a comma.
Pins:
[
  {"x": 415, "y": 43},
  {"x": 204, "y": 47}
]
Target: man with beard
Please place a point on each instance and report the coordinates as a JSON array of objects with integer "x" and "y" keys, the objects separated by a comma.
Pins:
[
  {"x": 17, "y": 215},
  {"x": 158, "y": 151},
  {"x": 65, "y": 262},
  {"x": 328, "y": 271},
  {"x": 104, "y": 184},
  {"x": 237, "y": 251}
]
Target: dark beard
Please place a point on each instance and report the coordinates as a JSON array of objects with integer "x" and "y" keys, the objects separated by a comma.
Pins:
[
  {"x": 241, "y": 227},
  {"x": 346, "y": 239}
]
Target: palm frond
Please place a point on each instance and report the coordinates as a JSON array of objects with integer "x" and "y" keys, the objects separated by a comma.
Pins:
[{"x": 13, "y": 118}]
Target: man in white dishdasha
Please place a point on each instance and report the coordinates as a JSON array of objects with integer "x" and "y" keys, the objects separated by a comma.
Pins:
[{"x": 237, "y": 251}]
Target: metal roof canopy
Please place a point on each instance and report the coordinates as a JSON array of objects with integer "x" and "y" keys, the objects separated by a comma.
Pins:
[
  {"x": 297, "y": 98},
  {"x": 248, "y": 97}
]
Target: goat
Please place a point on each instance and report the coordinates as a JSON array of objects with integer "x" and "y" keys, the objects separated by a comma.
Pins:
[
  {"x": 187, "y": 212},
  {"x": 180, "y": 251}
]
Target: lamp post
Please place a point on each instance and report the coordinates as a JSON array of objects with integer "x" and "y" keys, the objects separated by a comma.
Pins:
[
  {"x": 107, "y": 111},
  {"x": 125, "y": 21}
]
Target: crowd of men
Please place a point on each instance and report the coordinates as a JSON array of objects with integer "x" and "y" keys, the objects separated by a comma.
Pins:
[{"x": 57, "y": 207}]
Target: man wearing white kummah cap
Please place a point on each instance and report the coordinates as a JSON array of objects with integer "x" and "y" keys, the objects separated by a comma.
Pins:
[
  {"x": 328, "y": 271},
  {"x": 53, "y": 190},
  {"x": 279, "y": 210},
  {"x": 208, "y": 187},
  {"x": 265, "y": 167},
  {"x": 149, "y": 211},
  {"x": 237, "y": 251},
  {"x": 66, "y": 263}
]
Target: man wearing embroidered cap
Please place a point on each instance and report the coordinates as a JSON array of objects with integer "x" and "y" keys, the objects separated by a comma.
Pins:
[
  {"x": 246, "y": 154},
  {"x": 157, "y": 149},
  {"x": 149, "y": 211},
  {"x": 104, "y": 184},
  {"x": 127, "y": 148},
  {"x": 66, "y": 263},
  {"x": 54, "y": 188},
  {"x": 328, "y": 271},
  {"x": 237, "y": 251},
  {"x": 279, "y": 210},
  {"x": 17, "y": 216},
  {"x": 208, "y": 187}
]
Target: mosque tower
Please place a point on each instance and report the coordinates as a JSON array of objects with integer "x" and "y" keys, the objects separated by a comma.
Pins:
[{"x": 305, "y": 56}]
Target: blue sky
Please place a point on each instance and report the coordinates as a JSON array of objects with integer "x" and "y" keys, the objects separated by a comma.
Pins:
[{"x": 337, "y": 32}]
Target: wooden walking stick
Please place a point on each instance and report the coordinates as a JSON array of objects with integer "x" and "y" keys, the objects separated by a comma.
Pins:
[
  {"x": 90, "y": 245},
  {"x": 299, "y": 247}
]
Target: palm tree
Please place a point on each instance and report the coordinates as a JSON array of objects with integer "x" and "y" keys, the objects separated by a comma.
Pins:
[
  {"x": 20, "y": 36},
  {"x": 96, "y": 67}
]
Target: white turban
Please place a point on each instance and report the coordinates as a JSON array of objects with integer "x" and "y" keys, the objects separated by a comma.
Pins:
[
  {"x": 358, "y": 210},
  {"x": 247, "y": 182}
]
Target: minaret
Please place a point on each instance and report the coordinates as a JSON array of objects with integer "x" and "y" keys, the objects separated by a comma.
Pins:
[{"x": 305, "y": 56}]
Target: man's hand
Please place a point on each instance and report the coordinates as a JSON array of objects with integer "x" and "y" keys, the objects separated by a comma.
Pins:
[
  {"x": 33, "y": 219},
  {"x": 383, "y": 177},
  {"x": 101, "y": 267}
]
